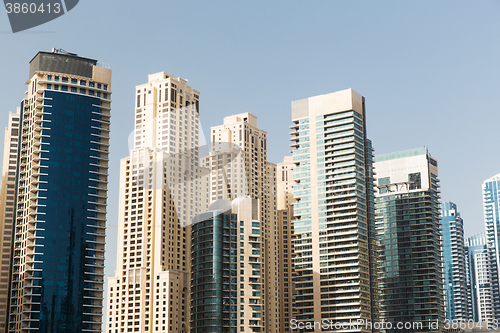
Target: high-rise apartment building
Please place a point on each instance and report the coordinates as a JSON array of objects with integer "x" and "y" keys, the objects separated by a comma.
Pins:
[
  {"x": 491, "y": 207},
  {"x": 286, "y": 254},
  {"x": 480, "y": 298},
  {"x": 455, "y": 276},
  {"x": 333, "y": 212},
  {"x": 238, "y": 159},
  {"x": 284, "y": 183},
  {"x": 162, "y": 188},
  {"x": 227, "y": 268},
  {"x": 272, "y": 288},
  {"x": 7, "y": 211},
  {"x": 239, "y": 169},
  {"x": 58, "y": 258},
  {"x": 409, "y": 237}
]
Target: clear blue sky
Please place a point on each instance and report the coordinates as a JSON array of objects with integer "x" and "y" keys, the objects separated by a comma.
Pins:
[{"x": 429, "y": 71}]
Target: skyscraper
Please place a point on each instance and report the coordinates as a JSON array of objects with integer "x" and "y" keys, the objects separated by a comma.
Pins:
[
  {"x": 409, "y": 235},
  {"x": 480, "y": 298},
  {"x": 334, "y": 222},
  {"x": 58, "y": 259},
  {"x": 455, "y": 278},
  {"x": 227, "y": 269},
  {"x": 239, "y": 169},
  {"x": 491, "y": 206},
  {"x": 286, "y": 238},
  {"x": 7, "y": 211},
  {"x": 238, "y": 159},
  {"x": 162, "y": 188}
]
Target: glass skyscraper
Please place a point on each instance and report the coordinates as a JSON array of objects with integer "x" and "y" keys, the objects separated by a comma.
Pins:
[
  {"x": 59, "y": 241},
  {"x": 333, "y": 213},
  {"x": 491, "y": 206},
  {"x": 213, "y": 300},
  {"x": 454, "y": 262},
  {"x": 409, "y": 239},
  {"x": 479, "y": 296},
  {"x": 226, "y": 276}
]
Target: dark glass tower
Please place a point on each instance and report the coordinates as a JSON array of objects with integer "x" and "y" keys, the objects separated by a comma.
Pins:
[
  {"x": 409, "y": 236},
  {"x": 213, "y": 277},
  {"x": 58, "y": 260},
  {"x": 227, "y": 269}
]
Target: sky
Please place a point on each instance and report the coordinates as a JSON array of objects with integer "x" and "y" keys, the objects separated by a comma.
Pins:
[{"x": 429, "y": 71}]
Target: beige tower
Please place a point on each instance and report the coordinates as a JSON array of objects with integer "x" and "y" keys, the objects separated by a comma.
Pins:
[
  {"x": 272, "y": 288},
  {"x": 333, "y": 214},
  {"x": 7, "y": 209},
  {"x": 238, "y": 158},
  {"x": 284, "y": 195},
  {"x": 161, "y": 189},
  {"x": 284, "y": 183},
  {"x": 238, "y": 161}
]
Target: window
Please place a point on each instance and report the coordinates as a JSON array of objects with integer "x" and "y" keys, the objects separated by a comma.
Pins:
[
  {"x": 64, "y": 79},
  {"x": 173, "y": 95},
  {"x": 91, "y": 84},
  {"x": 74, "y": 81},
  {"x": 415, "y": 181},
  {"x": 382, "y": 182},
  {"x": 83, "y": 82},
  {"x": 56, "y": 78}
]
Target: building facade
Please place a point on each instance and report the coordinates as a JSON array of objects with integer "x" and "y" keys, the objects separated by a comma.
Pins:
[
  {"x": 162, "y": 188},
  {"x": 7, "y": 212},
  {"x": 454, "y": 257},
  {"x": 333, "y": 212},
  {"x": 239, "y": 169},
  {"x": 227, "y": 268},
  {"x": 409, "y": 236},
  {"x": 491, "y": 207},
  {"x": 238, "y": 159},
  {"x": 59, "y": 242},
  {"x": 479, "y": 295},
  {"x": 286, "y": 238}
]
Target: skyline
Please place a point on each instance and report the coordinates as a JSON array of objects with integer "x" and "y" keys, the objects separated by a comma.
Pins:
[{"x": 458, "y": 79}]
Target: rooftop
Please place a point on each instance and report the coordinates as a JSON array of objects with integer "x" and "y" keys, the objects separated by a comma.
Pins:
[
  {"x": 401, "y": 154},
  {"x": 492, "y": 179}
]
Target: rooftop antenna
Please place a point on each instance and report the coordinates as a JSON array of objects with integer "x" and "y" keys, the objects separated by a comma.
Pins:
[{"x": 61, "y": 51}]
